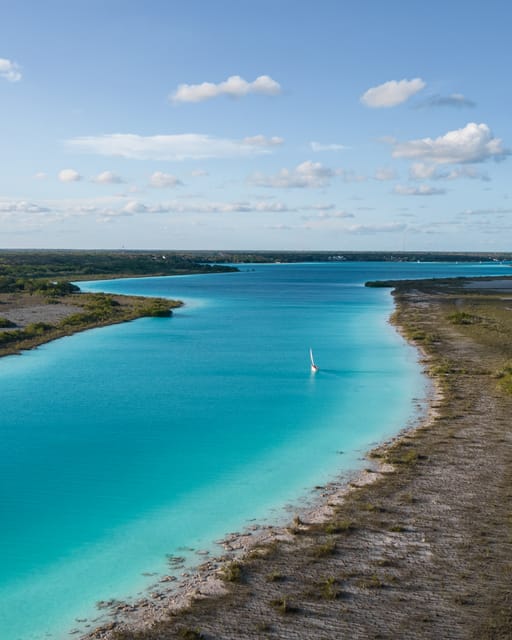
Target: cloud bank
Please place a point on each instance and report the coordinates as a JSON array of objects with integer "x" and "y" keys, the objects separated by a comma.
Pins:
[
  {"x": 177, "y": 147},
  {"x": 234, "y": 87}
]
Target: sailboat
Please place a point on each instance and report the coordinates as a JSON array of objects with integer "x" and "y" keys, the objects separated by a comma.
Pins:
[{"x": 314, "y": 368}]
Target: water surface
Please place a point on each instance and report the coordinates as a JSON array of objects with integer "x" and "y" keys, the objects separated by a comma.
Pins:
[{"x": 123, "y": 444}]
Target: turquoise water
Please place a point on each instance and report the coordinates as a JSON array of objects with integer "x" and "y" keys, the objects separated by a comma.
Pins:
[{"x": 124, "y": 444}]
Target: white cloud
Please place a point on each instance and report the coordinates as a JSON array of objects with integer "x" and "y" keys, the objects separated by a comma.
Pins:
[
  {"x": 135, "y": 206},
  {"x": 321, "y": 207},
  {"x": 422, "y": 171},
  {"x": 318, "y": 146},
  {"x": 306, "y": 175},
  {"x": 21, "y": 206},
  {"x": 263, "y": 141},
  {"x": 166, "y": 147},
  {"x": 162, "y": 180},
  {"x": 385, "y": 173},
  {"x": 69, "y": 175},
  {"x": 392, "y": 93},
  {"x": 199, "y": 173},
  {"x": 234, "y": 87},
  {"x": 40, "y": 175},
  {"x": 421, "y": 190},
  {"x": 9, "y": 70},
  {"x": 473, "y": 143},
  {"x": 108, "y": 177},
  {"x": 334, "y": 215}
]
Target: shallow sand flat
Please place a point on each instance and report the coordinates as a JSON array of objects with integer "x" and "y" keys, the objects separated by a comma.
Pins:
[{"x": 422, "y": 552}]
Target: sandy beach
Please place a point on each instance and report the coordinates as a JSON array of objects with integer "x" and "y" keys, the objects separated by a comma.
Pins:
[{"x": 416, "y": 546}]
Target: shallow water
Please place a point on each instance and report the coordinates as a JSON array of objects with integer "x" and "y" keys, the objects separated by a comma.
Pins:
[{"x": 124, "y": 444}]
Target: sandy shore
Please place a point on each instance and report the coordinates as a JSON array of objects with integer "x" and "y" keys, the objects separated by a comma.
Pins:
[{"x": 416, "y": 546}]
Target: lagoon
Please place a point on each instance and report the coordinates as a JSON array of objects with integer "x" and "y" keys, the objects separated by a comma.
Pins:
[{"x": 123, "y": 444}]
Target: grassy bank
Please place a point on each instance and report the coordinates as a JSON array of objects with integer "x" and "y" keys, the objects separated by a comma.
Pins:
[
  {"x": 419, "y": 548},
  {"x": 28, "y": 320}
]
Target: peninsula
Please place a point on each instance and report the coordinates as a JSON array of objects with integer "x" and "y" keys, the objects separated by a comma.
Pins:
[{"x": 38, "y": 303}]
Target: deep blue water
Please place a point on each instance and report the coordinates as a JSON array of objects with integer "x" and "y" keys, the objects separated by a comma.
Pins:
[{"x": 123, "y": 444}]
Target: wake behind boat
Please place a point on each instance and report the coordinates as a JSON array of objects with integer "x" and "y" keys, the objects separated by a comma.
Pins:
[{"x": 314, "y": 367}]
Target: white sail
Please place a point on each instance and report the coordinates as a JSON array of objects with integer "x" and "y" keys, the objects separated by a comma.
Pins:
[{"x": 313, "y": 365}]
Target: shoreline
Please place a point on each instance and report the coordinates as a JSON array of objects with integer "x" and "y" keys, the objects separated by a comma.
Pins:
[
  {"x": 397, "y": 524},
  {"x": 171, "y": 595}
]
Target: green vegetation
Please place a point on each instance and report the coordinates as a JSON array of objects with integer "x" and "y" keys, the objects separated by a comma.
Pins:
[
  {"x": 232, "y": 572},
  {"x": 80, "y": 265},
  {"x": 5, "y": 323}
]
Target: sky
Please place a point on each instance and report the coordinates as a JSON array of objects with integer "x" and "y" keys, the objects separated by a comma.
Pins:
[{"x": 331, "y": 125}]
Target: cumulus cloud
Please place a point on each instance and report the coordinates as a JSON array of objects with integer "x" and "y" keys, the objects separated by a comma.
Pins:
[
  {"x": 306, "y": 175},
  {"x": 392, "y": 93},
  {"x": 108, "y": 177},
  {"x": 167, "y": 147},
  {"x": 385, "y": 173},
  {"x": 9, "y": 70},
  {"x": 199, "y": 173},
  {"x": 40, "y": 175},
  {"x": 162, "y": 180},
  {"x": 234, "y": 87},
  {"x": 453, "y": 100},
  {"x": 472, "y": 143},
  {"x": 318, "y": 146},
  {"x": 69, "y": 175},
  {"x": 421, "y": 190}
]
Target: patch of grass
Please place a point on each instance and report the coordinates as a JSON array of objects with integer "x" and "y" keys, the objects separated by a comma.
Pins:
[
  {"x": 326, "y": 549},
  {"x": 339, "y": 526},
  {"x": 397, "y": 528},
  {"x": 373, "y": 582},
  {"x": 232, "y": 572},
  {"x": 329, "y": 589},
  {"x": 504, "y": 377},
  {"x": 5, "y": 323},
  {"x": 461, "y": 317},
  {"x": 275, "y": 576},
  {"x": 283, "y": 605}
]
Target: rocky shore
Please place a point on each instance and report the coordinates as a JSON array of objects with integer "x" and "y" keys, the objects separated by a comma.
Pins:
[{"x": 418, "y": 546}]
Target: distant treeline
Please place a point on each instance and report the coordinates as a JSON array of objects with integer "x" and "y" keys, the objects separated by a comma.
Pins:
[
  {"x": 236, "y": 257},
  {"x": 82, "y": 264},
  {"x": 52, "y": 264}
]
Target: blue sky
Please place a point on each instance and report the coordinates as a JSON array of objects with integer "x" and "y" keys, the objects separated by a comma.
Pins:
[{"x": 328, "y": 125}]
